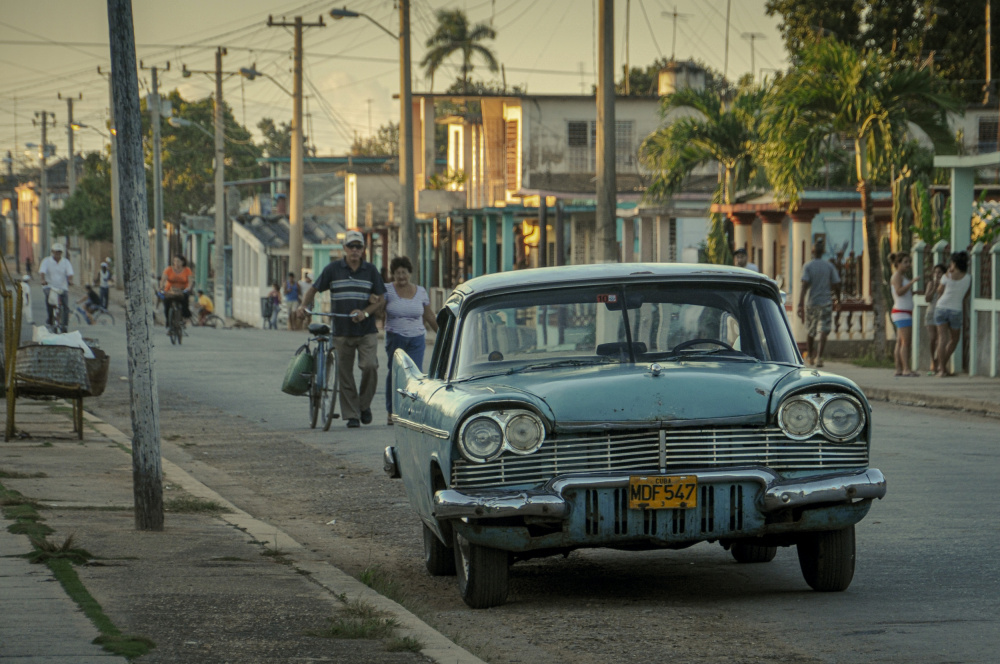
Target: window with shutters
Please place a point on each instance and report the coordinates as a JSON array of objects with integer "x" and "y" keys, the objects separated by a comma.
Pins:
[
  {"x": 987, "y": 134},
  {"x": 510, "y": 148}
]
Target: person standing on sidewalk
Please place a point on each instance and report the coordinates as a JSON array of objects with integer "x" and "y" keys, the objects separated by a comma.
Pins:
[
  {"x": 740, "y": 259},
  {"x": 931, "y": 296},
  {"x": 292, "y": 297},
  {"x": 104, "y": 279},
  {"x": 26, "y": 314},
  {"x": 407, "y": 311},
  {"x": 948, "y": 309},
  {"x": 356, "y": 288},
  {"x": 820, "y": 279},
  {"x": 57, "y": 273},
  {"x": 902, "y": 312}
]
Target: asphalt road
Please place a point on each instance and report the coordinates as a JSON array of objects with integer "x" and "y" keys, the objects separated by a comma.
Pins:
[{"x": 927, "y": 586}]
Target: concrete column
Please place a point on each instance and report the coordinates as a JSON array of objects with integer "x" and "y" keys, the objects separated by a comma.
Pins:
[
  {"x": 647, "y": 240},
  {"x": 770, "y": 234},
  {"x": 507, "y": 242},
  {"x": 962, "y": 195},
  {"x": 799, "y": 254},
  {"x": 491, "y": 243},
  {"x": 476, "y": 245},
  {"x": 663, "y": 239},
  {"x": 428, "y": 151},
  {"x": 628, "y": 240},
  {"x": 742, "y": 231}
]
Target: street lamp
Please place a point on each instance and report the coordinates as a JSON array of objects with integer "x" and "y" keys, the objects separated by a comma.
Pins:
[
  {"x": 177, "y": 123},
  {"x": 408, "y": 225}
]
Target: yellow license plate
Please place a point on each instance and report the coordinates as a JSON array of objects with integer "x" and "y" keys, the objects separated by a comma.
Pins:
[{"x": 657, "y": 492}]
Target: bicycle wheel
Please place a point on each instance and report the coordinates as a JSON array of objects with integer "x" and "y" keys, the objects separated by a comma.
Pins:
[
  {"x": 315, "y": 390},
  {"x": 170, "y": 326},
  {"x": 331, "y": 390},
  {"x": 214, "y": 321},
  {"x": 103, "y": 317}
]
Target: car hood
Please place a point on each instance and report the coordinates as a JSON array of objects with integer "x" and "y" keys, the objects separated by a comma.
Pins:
[{"x": 631, "y": 394}]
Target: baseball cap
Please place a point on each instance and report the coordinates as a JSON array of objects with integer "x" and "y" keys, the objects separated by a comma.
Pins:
[
  {"x": 26, "y": 277},
  {"x": 740, "y": 251},
  {"x": 353, "y": 236},
  {"x": 57, "y": 246}
]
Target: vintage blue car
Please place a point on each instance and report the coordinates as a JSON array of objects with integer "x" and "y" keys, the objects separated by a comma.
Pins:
[{"x": 631, "y": 406}]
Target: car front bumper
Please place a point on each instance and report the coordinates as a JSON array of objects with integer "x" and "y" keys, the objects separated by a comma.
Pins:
[{"x": 551, "y": 501}]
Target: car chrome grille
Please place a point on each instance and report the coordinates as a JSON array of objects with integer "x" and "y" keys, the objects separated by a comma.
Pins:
[{"x": 639, "y": 451}]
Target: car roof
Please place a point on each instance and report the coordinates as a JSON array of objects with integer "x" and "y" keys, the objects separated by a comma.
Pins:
[{"x": 546, "y": 276}]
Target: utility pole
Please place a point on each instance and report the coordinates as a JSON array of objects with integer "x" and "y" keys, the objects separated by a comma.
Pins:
[
  {"x": 43, "y": 203},
  {"x": 147, "y": 471},
  {"x": 116, "y": 230},
  {"x": 155, "y": 113},
  {"x": 628, "y": 23},
  {"x": 753, "y": 37},
  {"x": 725, "y": 62},
  {"x": 408, "y": 220},
  {"x": 71, "y": 164},
  {"x": 675, "y": 16},
  {"x": 607, "y": 198},
  {"x": 296, "y": 198}
]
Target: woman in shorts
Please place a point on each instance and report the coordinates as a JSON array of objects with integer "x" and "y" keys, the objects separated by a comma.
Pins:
[
  {"x": 902, "y": 312},
  {"x": 948, "y": 309}
]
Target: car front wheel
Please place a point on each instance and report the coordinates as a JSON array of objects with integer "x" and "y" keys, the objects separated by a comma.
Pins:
[
  {"x": 483, "y": 573},
  {"x": 438, "y": 557},
  {"x": 827, "y": 559}
]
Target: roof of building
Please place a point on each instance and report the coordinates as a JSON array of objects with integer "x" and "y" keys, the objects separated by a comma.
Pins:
[{"x": 273, "y": 231}]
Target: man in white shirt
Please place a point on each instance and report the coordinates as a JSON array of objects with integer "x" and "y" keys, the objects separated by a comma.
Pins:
[
  {"x": 740, "y": 259},
  {"x": 57, "y": 274}
]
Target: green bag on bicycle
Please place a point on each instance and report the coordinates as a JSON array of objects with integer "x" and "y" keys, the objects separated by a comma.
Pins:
[{"x": 298, "y": 375}]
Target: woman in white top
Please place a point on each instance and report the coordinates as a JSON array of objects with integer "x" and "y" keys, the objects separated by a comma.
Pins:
[
  {"x": 931, "y": 296},
  {"x": 948, "y": 309},
  {"x": 902, "y": 312},
  {"x": 407, "y": 311}
]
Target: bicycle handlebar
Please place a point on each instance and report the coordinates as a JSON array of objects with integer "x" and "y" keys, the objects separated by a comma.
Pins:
[{"x": 330, "y": 315}]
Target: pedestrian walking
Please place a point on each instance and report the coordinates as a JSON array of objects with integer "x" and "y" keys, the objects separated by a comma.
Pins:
[
  {"x": 292, "y": 299},
  {"x": 57, "y": 274},
  {"x": 820, "y": 280},
  {"x": 28, "y": 264},
  {"x": 931, "y": 297},
  {"x": 902, "y": 312},
  {"x": 274, "y": 300},
  {"x": 407, "y": 312},
  {"x": 26, "y": 314},
  {"x": 948, "y": 310},
  {"x": 104, "y": 279},
  {"x": 740, "y": 259},
  {"x": 356, "y": 288}
]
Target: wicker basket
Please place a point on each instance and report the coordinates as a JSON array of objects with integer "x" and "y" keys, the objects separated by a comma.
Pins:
[
  {"x": 97, "y": 372},
  {"x": 52, "y": 370}
]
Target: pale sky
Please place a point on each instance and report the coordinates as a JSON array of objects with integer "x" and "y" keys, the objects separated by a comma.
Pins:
[{"x": 56, "y": 46}]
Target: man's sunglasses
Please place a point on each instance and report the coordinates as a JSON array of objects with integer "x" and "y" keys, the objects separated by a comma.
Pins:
[{"x": 355, "y": 246}]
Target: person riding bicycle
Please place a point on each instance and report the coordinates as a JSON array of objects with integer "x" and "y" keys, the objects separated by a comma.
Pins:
[
  {"x": 57, "y": 275},
  {"x": 205, "y": 307},
  {"x": 91, "y": 302},
  {"x": 176, "y": 285}
]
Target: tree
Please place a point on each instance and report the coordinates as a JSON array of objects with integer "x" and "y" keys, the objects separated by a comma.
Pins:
[
  {"x": 88, "y": 211},
  {"x": 916, "y": 30},
  {"x": 385, "y": 142},
  {"x": 864, "y": 98},
  {"x": 277, "y": 138},
  {"x": 718, "y": 133},
  {"x": 453, "y": 34}
]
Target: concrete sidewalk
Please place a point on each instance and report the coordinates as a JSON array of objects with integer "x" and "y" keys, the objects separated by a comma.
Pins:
[{"x": 213, "y": 586}]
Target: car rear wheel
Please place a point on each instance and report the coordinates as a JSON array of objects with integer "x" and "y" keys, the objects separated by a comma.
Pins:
[
  {"x": 827, "y": 559},
  {"x": 483, "y": 573},
  {"x": 438, "y": 556},
  {"x": 753, "y": 553}
]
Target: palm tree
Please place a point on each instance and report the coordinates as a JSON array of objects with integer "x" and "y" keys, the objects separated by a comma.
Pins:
[
  {"x": 863, "y": 98},
  {"x": 454, "y": 34},
  {"x": 721, "y": 133}
]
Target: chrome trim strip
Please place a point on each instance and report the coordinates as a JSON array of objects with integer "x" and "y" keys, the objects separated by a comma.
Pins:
[
  {"x": 550, "y": 501},
  {"x": 759, "y": 419},
  {"x": 421, "y": 428}
]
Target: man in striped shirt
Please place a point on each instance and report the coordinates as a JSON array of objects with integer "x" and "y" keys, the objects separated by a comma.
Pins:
[{"x": 356, "y": 288}]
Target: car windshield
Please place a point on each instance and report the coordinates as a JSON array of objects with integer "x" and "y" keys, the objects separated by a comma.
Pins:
[{"x": 615, "y": 323}]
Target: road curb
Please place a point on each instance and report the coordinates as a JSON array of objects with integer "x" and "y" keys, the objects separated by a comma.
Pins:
[
  {"x": 922, "y": 400},
  {"x": 437, "y": 646}
]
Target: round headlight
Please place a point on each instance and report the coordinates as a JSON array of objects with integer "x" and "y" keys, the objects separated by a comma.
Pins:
[
  {"x": 481, "y": 439},
  {"x": 841, "y": 418},
  {"x": 524, "y": 434},
  {"x": 798, "y": 418}
]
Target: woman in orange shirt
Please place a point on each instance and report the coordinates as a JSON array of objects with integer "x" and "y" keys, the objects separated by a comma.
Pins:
[{"x": 176, "y": 285}]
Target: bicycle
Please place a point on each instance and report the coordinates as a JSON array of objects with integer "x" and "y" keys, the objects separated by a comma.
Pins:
[
  {"x": 324, "y": 387},
  {"x": 211, "y": 320},
  {"x": 175, "y": 320},
  {"x": 99, "y": 316},
  {"x": 54, "y": 296}
]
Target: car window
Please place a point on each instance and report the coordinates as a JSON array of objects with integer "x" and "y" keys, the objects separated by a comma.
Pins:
[
  {"x": 442, "y": 342},
  {"x": 618, "y": 323}
]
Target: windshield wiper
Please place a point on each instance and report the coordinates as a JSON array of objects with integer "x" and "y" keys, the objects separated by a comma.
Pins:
[
  {"x": 730, "y": 353},
  {"x": 563, "y": 363}
]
